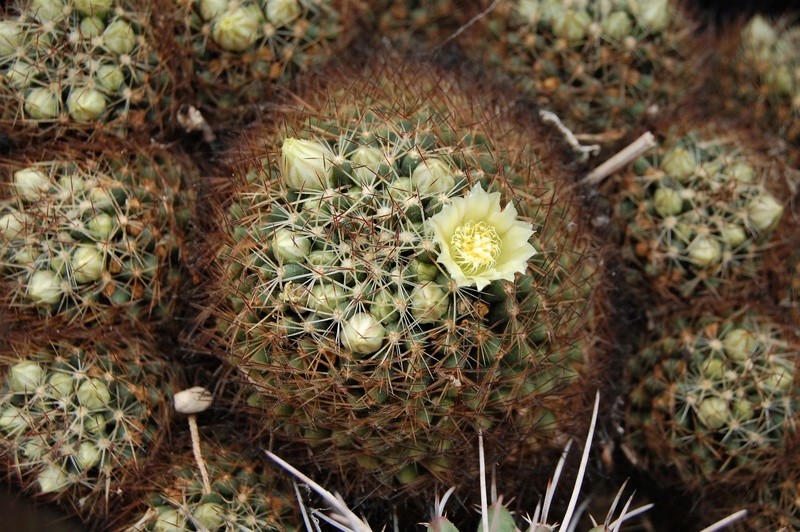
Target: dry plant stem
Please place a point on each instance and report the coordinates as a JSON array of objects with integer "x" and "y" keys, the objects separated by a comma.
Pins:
[
  {"x": 198, "y": 455},
  {"x": 628, "y": 154},
  {"x": 724, "y": 523},
  {"x": 569, "y": 136}
]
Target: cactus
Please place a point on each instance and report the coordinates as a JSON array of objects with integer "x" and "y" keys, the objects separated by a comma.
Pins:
[
  {"x": 379, "y": 300},
  {"x": 244, "y": 494},
  {"x": 237, "y": 49},
  {"x": 94, "y": 239},
  {"x": 79, "y": 65},
  {"x": 600, "y": 65},
  {"x": 697, "y": 218},
  {"x": 80, "y": 417},
  {"x": 715, "y": 398}
]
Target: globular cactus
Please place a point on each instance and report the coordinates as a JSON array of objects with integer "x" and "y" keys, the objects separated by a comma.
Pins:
[
  {"x": 83, "y": 65},
  {"x": 79, "y": 418},
  {"x": 245, "y": 493},
  {"x": 713, "y": 400},
  {"x": 697, "y": 218},
  {"x": 381, "y": 299},
  {"x": 237, "y": 49},
  {"x": 768, "y": 74},
  {"x": 601, "y": 65},
  {"x": 94, "y": 238}
]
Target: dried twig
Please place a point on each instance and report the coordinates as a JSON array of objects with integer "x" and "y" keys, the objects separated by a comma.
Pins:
[{"x": 628, "y": 154}]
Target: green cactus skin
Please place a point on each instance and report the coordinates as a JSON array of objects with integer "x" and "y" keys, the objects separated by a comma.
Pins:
[
  {"x": 357, "y": 341},
  {"x": 697, "y": 219},
  {"x": 238, "y": 49},
  {"x": 246, "y": 493},
  {"x": 94, "y": 239},
  {"x": 80, "y": 418},
  {"x": 715, "y": 399},
  {"x": 65, "y": 68},
  {"x": 599, "y": 65}
]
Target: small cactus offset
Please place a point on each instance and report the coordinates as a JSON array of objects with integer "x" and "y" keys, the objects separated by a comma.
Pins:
[
  {"x": 599, "y": 64},
  {"x": 236, "y": 49},
  {"x": 81, "y": 65},
  {"x": 79, "y": 418},
  {"x": 243, "y": 493},
  {"x": 93, "y": 239},
  {"x": 715, "y": 398},
  {"x": 697, "y": 218},
  {"x": 382, "y": 299}
]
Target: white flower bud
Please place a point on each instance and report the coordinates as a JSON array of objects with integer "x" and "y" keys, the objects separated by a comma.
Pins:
[
  {"x": 363, "y": 334},
  {"x": 306, "y": 165},
  {"x": 366, "y": 161},
  {"x": 433, "y": 176},
  {"x": 59, "y": 384},
  {"x": 91, "y": 27},
  {"x": 779, "y": 379},
  {"x": 211, "y": 515},
  {"x": 101, "y": 226},
  {"x": 713, "y": 369},
  {"x": 87, "y": 263},
  {"x": 617, "y": 25},
  {"x": 95, "y": 424},
  {"x": 31, "y": 183},
  {"x": 10, "y": 37},
  {"x": 714, "y": 412},
  {"x": 20, "y": 74},
  {"x": 238, "y": 29},
  {"x": 572, "y": 26},
  {"x": 654, "y": 15},
  {"x": 780, "y": 80},
  {"x": 88, "y": 455},
  {"x": 679, "y": 164},
  {"x": 705, "y": 252},
  {"x": 109, "y": 78},
  {"x": 48, "y": 10},
  {"x": 93, "y": 394},
  {"x": 119, "y": 37},
  {"x": 13, "y": 421},
  {"x": 739, "y": 344},
  {"x": 287, "y": 246},
  {"x": 743, "y": 410},
  {"x": 759, "y": 33},
  {"x": 210, "y": 9},
  {"x": 35, "y": 448},
  {"x": 733, "y": 234},
  {"x": 282, "y": 12},
  {"x": 12, "y": 224},
  {"x": 325, "y": 297},
  {"x": 428, "y": 303},
  {"x": 743, "y": 173},
  {"x": 41, "y": 103},
  {"x": 53, "y": 479},
  {"x": 193, "y": 400},
  {"x": 764, "y": 211},
  {"x": 530, "y": 10},
  {"x": 667, "y": 202},
  {"x": 44, "y": 287},
  {"x": 24, "y": 376},
  {"x": 92, "y": 8},
  {"x": 85, "y": 104},
  {"x": 169, "y": 520}
]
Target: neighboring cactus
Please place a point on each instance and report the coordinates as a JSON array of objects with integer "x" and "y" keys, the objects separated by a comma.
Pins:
[
  {"x": 697, "y": 218},
  {"x": 599, "y": 64},
  {"x": 245, "y": 494},
  {"x": 92, "y": 239},
  {"x": 237, "y": 48},
  {"x": 79, "y": 418},
  {"x": 79, "y": 65},
  {"x": 714, "y": 399},
  {"x": 380, "y": 300},
  {"x": 420, "y": 23}
]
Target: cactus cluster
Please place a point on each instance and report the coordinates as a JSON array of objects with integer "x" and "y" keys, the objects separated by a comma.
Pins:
[
  {"x": 379, "y": 298},
  {"x": 697, "y": 217},
  {"x": 599, "y": 64},
  {"x": 236, "y": 48},
  {"x": 79, "y": 417},
  {"x": 78, "y": 64},
  {"x": 91, "y": 239},
  {"x": 715, "y": 398},
  {"x": 245, "y": 493},
  {"x": 770, "y": 60}
]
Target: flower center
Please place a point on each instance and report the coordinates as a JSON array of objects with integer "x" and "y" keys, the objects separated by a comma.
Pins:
[{"x": 475, "y": 247}]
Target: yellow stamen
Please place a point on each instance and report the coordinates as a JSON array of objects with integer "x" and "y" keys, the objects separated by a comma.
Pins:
[{"x": 475, "y": 247}]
